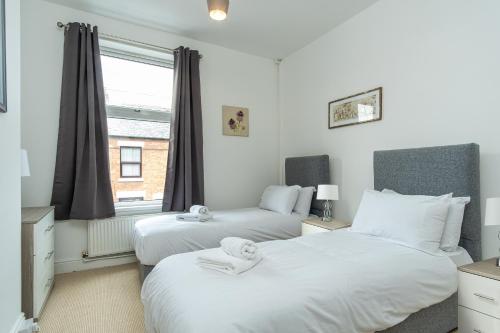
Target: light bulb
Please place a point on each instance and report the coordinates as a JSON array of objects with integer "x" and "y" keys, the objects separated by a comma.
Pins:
[{"x": 218, "y": 15}]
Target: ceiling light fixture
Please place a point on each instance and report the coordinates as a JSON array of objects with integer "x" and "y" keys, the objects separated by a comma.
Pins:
[{"x": 218, "y": 9}]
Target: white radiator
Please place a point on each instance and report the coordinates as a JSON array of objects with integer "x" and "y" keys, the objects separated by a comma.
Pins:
[{"x": 111, "y": 236}]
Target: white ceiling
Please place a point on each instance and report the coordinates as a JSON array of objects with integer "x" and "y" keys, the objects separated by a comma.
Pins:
[{"x": 269, "y": 28}]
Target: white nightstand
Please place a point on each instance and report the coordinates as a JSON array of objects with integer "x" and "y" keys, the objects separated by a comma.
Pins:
[
  {"x": 313, "y": 225},
  {"x": 479, "y": 297}
]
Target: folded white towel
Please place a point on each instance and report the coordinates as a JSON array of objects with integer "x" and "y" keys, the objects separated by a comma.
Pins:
[
  {"x": 198, "y": 209},
  {"x": 217, "y": 259},
  {"x": 188, "y": 217},
  {"x": 239, "y": 247}
]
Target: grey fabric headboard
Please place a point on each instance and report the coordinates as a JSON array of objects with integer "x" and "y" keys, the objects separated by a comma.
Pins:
[
  {"x": 436, "y": 171},
  {"x": 308, "y": 171}
]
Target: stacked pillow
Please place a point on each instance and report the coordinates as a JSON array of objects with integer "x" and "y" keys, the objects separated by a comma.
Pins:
[
  {"x": 287, "y": 199},
  {"x": 453, "y": 225},
  {"x": 427, "y": 223}
]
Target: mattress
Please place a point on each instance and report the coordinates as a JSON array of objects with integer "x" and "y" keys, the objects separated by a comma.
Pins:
[
  {"x": 158, "y": 237},
  {"x": 338, "y": 281}
]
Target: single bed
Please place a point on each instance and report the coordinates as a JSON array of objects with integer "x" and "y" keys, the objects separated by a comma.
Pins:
[
  {"x": 333, "y": 282},
  {"x": 158, "y": 237}
]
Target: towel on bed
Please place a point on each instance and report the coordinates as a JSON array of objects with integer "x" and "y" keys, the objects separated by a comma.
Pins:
[
  {"x": 239, "y": 248},
  {"x": 198, "y": 209},
  {"x": 218, "y": 260},
  {"x": 190, "y": 217}
]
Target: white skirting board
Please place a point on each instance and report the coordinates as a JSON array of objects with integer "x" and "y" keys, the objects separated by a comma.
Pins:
[{"x": 68, "y": 266}]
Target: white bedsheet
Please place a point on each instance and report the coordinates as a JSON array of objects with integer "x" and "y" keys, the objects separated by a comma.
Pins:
[
  {"x": 158, "y": 237},
  {"x": 460, "y": 257},
  {"x": 337, "y": 281}
]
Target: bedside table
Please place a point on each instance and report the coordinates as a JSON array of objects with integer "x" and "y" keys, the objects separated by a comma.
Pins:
[
  {"x": 312, "y": 225},
  {"x": 479, "y": 297}
]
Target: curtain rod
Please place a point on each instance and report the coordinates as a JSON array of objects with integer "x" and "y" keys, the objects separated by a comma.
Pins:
[{"x": 127, "y": 41}]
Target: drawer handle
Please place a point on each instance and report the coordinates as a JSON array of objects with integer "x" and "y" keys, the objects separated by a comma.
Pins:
[
  {"x": 49, "y": 255},
  {"x": 49, "y": 282},
  {"x": 491, "y": 299},
  {"x": 477, "y": 331},
  {"x": 49, "y": 228}
]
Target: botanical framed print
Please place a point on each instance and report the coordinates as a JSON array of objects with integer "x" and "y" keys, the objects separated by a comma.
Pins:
[
  {"x": 235, "y": 121},
  {"x": 3, "y": 66},
  {"x": 356, "y": 109}
]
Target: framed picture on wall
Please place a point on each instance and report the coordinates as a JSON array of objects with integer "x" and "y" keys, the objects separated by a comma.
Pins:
[
  {"x": 235, "y": 120},
  {"x": 356, "y": 109},
  {"x": 3, "y": 66}
]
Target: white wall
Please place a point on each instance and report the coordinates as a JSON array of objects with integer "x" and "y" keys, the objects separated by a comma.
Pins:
[
  {"x": 438, "y": 62},
  {"x": 10, "y": 178},
  {"x": 236, "y": 169}
]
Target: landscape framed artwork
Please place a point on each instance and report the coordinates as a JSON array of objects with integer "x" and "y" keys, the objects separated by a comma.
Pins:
[
  {"x": 235, "y": 121},
  {"x": 356, "y": 109}
]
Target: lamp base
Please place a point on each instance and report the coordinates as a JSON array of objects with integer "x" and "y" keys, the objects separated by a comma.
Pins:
[{"x": 327, "y": 212}]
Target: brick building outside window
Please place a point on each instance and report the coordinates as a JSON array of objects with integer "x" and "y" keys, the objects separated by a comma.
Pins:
[{"x": 151, "y": 139}]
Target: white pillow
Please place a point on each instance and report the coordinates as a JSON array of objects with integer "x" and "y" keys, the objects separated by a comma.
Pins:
[
  {"x": 417, "y": 222},
  {"x": 303, "y": 204},
  {"x": 280, "y": 199},
  {"x": 453, "y": 226}
]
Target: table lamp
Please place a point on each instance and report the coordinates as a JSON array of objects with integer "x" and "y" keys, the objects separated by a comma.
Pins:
[
  {"x": 492, "y": 216},
  {"x": 328, "y": 193}
]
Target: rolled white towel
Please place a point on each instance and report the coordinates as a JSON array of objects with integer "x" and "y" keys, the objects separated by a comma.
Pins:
[
  {"x": 198, "y": 209},
  {"x": 188, "y": 217},
  {"x": 239, "y": 248},
  {"x": 218, "y": 260}
]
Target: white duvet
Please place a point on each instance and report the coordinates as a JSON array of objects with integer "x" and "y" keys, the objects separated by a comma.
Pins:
[
  {"x": 327, "y": 282},
  {"x": 158, "y": 237}
]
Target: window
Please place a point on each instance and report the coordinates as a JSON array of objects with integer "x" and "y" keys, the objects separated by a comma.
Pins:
[
  {"x": 138, "y": 88},
  {"x": 130, "y": 162}
]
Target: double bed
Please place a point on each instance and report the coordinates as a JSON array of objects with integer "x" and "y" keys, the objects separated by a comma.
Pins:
[
  {"x": 159, "y": 237},
  {"x": 339, "y": 281}
]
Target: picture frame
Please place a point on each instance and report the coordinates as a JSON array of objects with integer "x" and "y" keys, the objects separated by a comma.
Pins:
[
  {"x": 235, "y": 121},
  {"x": 3, "y": 64},
  {"x": 356, "y": 109}
]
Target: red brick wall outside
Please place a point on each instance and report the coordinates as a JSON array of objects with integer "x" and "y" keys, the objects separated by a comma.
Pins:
[{"x": 154, "y": 167}]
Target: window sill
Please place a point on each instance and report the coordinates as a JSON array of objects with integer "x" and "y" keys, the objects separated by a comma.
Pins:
[
  {"x": 130, "y": 180},
  {"x": 138, "y": 208}
]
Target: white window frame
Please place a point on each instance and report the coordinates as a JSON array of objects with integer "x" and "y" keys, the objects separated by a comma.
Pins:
[{"x": 126, "y": 52}]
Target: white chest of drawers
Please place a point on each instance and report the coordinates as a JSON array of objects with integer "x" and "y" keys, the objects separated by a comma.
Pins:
[
  {"x": 479, "y": 298},
  {"x": 37, "y": 258}
]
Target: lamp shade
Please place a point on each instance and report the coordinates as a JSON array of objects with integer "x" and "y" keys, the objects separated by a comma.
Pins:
[
  {"x": 328, "y": 192},
  {"x": 218, "y": 9},
  {"x": 492, "y": 216},
  {"x": 25, "y": 166}
]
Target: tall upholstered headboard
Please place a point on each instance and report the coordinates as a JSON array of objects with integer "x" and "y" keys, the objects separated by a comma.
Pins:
[
  {"x": 436, "y": 171},
  {"x": 308, "y": 171}
]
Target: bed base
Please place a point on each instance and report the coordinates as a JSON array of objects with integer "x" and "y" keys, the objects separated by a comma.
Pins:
[
  {"x": 438, "y": 318},
  {"x": 144, "y": 270}
]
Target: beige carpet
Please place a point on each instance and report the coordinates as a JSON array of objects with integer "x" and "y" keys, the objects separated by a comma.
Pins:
[{"x": 104, "y": 300}]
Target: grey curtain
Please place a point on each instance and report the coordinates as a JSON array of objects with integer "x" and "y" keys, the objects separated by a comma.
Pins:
[
  {"x": 184, "y": 185},
  {"x": 82, "y": 185}
]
